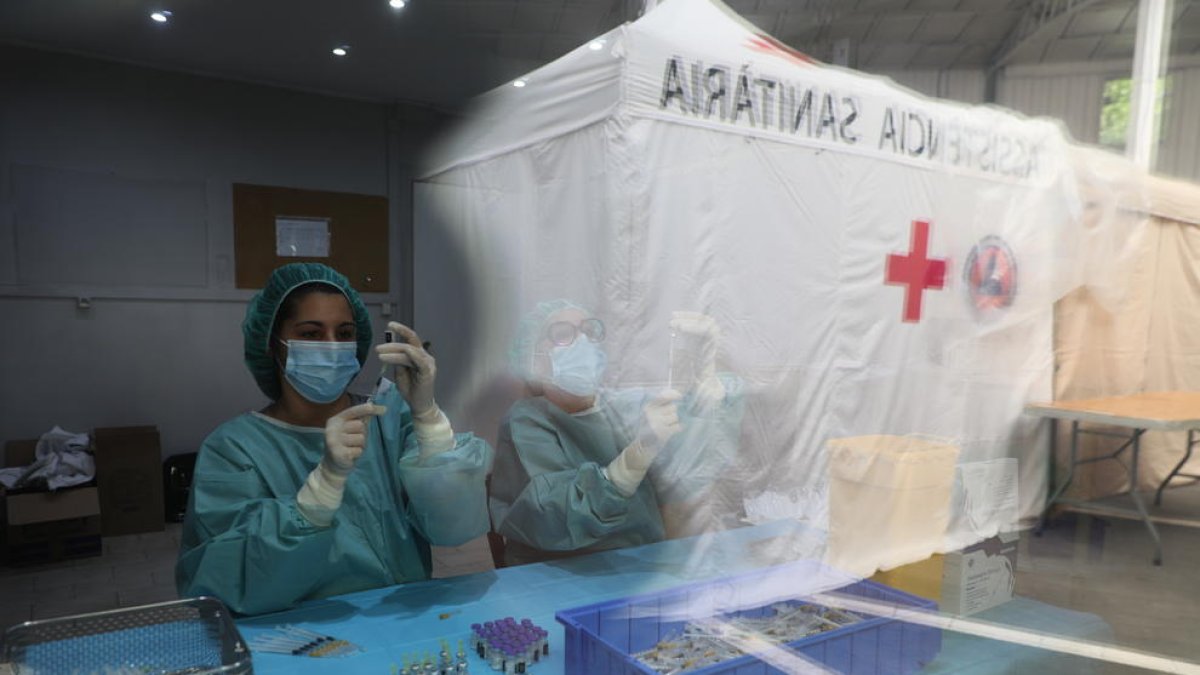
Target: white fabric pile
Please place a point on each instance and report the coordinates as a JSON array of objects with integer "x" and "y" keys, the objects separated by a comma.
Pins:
[{"x": 61, "y": 460}]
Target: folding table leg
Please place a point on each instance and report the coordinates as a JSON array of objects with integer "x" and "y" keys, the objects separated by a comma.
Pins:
[
  {"x": 1186, "y": 456},
  {"x": 1137, "y": 498},
  {"x": 1058, "y": 491}
]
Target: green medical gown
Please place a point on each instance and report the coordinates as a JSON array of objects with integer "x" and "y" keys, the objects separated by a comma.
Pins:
[
  {"x": 245, "y": 542},
  {"x": 549, "y": 495}
]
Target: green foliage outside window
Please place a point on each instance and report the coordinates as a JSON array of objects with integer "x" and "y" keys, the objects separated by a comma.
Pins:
[{"x": 1116, "y": 110}]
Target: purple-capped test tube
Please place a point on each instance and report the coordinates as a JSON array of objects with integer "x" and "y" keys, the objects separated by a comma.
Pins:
[
  {"x": 477, "y": 639},
  {"x": 495, "y": 658}
]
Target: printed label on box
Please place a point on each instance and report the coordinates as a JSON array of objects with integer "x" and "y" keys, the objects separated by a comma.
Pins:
[{"x": 981, "y": 576}]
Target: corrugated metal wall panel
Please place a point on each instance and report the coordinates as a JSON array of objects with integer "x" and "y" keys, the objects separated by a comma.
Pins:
[
  {"x": 957, "y": 85},
  {"x": 1076, "y": 99},
  {"x": 1179, "y": 154},
  {"x": 923, "y": 81},
  {"x": 968, "y": 86}
]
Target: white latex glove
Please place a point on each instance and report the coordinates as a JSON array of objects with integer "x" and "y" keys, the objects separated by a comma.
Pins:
[
  {"x": 345, "y": 438},
  {"x": 415, "y": 372},
  {"x": 695, "y": 323},
  {"x": 660, "y": 421}
]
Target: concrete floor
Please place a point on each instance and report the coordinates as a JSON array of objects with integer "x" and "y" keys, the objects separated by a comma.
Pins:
[
  {"x": 1102, "y": 565},
  {"x": 1085, "y": 563}
]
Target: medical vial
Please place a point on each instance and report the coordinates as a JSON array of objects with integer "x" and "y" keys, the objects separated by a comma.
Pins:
[{"x": 684, "y": 355}]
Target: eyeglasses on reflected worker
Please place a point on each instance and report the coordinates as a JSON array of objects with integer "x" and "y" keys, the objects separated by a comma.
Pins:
[{"x": 563, "y": 333}]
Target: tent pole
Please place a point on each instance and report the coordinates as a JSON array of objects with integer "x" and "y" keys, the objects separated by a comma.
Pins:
[{"x": 1152, "y": 31}]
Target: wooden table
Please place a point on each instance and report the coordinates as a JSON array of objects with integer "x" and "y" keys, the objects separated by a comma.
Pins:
[{"x": 1151, "y": 411}]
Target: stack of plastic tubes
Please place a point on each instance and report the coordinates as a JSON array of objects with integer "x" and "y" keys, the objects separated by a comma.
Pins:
[
  {"x": 300, "y": 642},
  {"x": 509, "y": 646}
]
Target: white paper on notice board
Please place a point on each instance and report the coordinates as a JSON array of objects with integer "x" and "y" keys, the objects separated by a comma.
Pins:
[{"x": 302, "y": 237}]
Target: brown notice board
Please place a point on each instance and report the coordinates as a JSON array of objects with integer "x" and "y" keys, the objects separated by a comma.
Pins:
[{"x": 358, "y": 229}]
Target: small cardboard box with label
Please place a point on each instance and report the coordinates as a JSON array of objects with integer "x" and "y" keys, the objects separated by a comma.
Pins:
[{"x": 980, "y": 576}]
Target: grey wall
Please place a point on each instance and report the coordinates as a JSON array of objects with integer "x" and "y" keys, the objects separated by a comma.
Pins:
[
  {"x": 115, "y": 185},
  {"x": 1179, "y": 145},
  {"x": 1074, "y": 94},
  {"x": 968, "y": 86}
]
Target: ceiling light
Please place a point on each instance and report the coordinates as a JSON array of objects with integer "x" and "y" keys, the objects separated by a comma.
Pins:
[
  {"x": 519, "y": 83},
  {"x": 161, "y": 16},
  {"x": 596, "y": 45},
  {"x": 341, "y": 51},
  {"x": 397, "y": 4}
]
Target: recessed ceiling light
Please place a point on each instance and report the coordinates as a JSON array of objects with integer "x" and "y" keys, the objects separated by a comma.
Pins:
[
  {"x": 161, "y": 16},
  {"x": 397, "y": 4},
  {"x": 341, "y": 51},
  {"x": 519, "y": 83},
  {"x": 596, "y": 45}
]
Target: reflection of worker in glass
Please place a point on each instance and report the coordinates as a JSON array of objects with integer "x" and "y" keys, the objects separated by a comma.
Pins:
[
  {"x": 324, "y": 492},
  {"x": 581, "y": 468}
]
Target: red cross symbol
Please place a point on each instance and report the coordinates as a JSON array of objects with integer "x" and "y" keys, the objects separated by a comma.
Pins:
[{"x": 915, "y": 271}]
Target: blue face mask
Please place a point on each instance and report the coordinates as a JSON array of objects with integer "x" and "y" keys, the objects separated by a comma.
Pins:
[
  {"x": 321, "y": 371},
  {"x": 577, "y": 368}
]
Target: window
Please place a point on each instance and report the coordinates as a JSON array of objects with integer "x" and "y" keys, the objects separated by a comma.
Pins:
[{"x": 1115, "y": 111}]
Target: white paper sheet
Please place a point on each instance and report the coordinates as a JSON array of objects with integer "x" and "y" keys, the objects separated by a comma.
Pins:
[{"x": 302, "y": 237}]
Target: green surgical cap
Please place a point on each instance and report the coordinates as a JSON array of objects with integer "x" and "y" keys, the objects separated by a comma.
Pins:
[
  {"x": 260, "y": 318},
  {"x": 529, "y": 332}
]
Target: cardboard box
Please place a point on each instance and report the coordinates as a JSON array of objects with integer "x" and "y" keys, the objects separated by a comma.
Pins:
[
  {"x": 980, "y": 576},
  {"x": 129, "y": 476},
  {"x": 903, "y": 484},
  {"x": 41, "y": 527},
  {"x": 922, "y": 578}
]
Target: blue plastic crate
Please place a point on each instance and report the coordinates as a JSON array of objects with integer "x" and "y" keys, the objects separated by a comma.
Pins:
[{"x": 601, "y": 638}]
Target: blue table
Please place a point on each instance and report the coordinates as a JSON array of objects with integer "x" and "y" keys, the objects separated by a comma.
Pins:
[{"x": 411, "y": 619}]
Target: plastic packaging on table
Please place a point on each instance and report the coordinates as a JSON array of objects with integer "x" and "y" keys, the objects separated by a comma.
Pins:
[
  {"x": 606, "y": 638},
  {"x": 194, "y": 636},
  {"x": 889, "y": 500}
]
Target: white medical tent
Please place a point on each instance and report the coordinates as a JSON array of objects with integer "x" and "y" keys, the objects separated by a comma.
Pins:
[{"x": 880, "y": 264}]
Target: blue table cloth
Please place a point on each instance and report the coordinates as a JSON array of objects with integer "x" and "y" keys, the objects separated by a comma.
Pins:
[{"x": 411, "y": 620}]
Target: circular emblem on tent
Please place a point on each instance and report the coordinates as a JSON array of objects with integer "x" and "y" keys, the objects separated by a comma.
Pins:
[{"x": 991, "y": 276}]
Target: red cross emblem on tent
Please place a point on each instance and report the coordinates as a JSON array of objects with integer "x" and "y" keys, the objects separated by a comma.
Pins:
[{"x": 916, "y": 271}]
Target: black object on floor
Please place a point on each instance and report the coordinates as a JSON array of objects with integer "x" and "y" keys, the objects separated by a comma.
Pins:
[{"x": 177, "y": 482}]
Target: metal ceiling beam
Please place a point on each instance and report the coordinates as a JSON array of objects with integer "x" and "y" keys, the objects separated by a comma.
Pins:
[{"x": 1041, "y": 17}]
